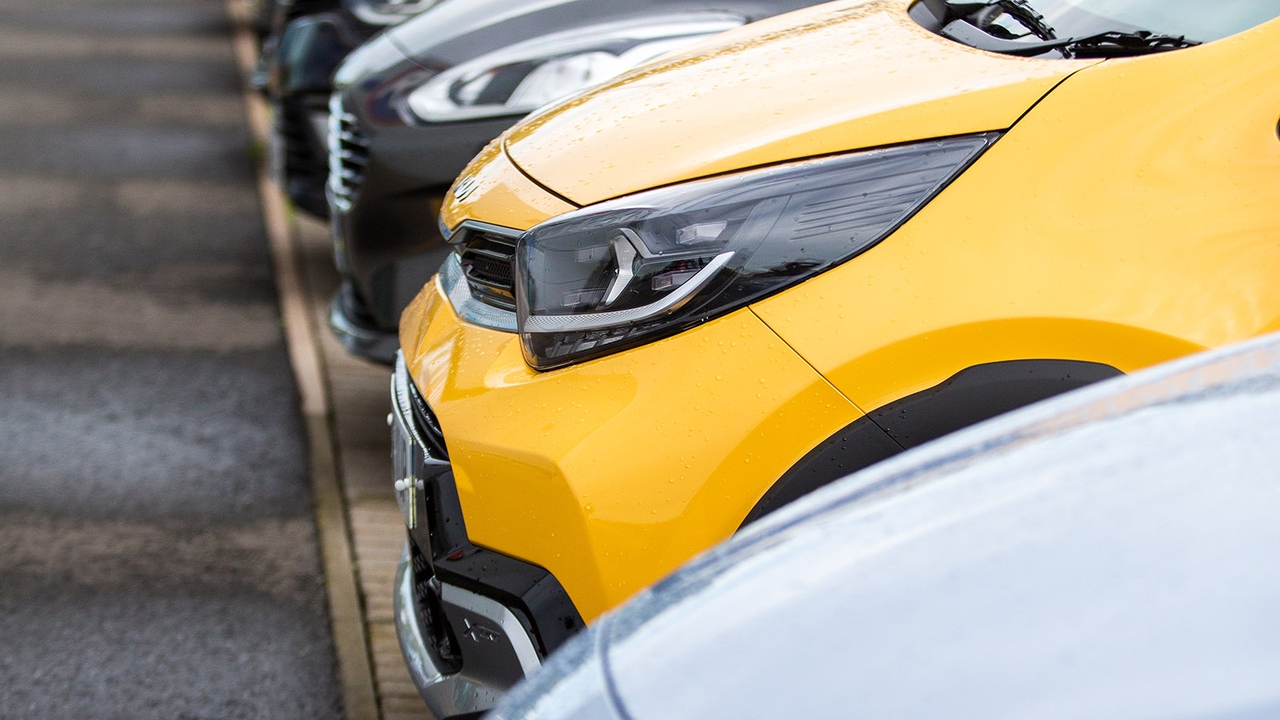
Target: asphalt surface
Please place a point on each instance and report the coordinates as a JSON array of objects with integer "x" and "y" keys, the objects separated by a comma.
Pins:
[{"x": 158, "y": 554}]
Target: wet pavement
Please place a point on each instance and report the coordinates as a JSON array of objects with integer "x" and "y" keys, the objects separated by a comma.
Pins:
[{"x": 158, "y": 553}]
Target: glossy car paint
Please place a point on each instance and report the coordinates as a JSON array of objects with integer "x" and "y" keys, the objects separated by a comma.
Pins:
[
  {"x": 611, "y": 473},
  {"x": 1107, "y": 554},
  {"x": 839, "y": 76},
  {"x": 1126, "y": 218},
  {"x": 505, "y": 195},
  {"x": 388, "y": 242}
]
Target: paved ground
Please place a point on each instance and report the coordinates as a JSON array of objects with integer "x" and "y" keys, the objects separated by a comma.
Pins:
[
  {"x": 361, "y": 401},
  {"x": 157, "y": 550}
]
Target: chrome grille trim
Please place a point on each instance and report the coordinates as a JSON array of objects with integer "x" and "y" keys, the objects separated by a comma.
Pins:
[
  {"x": 453, "y": 285},
  {"x": 486, "y": 254},
  {"x": 348, "y": 155},
  {"x": 489, "y": 272}
]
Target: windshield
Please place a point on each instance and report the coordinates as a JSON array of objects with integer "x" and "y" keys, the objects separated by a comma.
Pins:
[{"x": 1195, "y": 19}]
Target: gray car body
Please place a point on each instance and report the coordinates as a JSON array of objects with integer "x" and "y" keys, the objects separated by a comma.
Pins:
[
  {"x": 308, "y": 40},
  {"x": 1111, "y": 553},
  {"x": 387, "y": 242}
]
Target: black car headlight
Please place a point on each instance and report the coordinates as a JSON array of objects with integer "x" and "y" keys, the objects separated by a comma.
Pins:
[
  {"x": 631, "y": 270},
  {"x": 522, "y": 77}
]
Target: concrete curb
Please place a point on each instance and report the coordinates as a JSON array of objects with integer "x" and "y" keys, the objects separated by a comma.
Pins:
[{"x": 355, "y": 669}]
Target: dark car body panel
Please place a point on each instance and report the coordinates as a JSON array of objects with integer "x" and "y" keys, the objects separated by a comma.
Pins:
[
  {"x": 459, "y": 29},
  {"x": 388, "y": 241},
  {"x": 300, "y": 80},
  {"x": 1110, "y": 553},
  {"x": 309, "y": 40},
  {"x": 974, "y": 394}
]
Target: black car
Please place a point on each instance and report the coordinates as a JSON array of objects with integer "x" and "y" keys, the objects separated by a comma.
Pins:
[
  {"x": 309, "y": 41},
  {"x": 1108, "y": 554},
  {"x": 414, "y": 105}
]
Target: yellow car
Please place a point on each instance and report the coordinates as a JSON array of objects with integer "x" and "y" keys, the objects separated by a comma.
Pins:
[{"x": 718, "y": 282}]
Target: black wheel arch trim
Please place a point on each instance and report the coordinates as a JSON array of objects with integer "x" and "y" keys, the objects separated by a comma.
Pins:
[{"x": 974, "y": 394}]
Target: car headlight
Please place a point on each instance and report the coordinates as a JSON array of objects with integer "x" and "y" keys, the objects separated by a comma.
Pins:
[
  {"x": 523, "y": 77},
  {"x": 631, "y": 270}
]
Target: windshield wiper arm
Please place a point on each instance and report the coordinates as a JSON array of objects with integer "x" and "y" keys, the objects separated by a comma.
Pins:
[
  {"x": 1104, "y": 44},
  {"x": 963, "y": 31},
  {"x": 1020, "y": 10},
  {"x": 1141, "y": 42}
]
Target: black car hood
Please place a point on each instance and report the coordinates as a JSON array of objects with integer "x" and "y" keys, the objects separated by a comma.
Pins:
[
  {"x": 456, "y": 31},
  {"x": 459, "y": 30}
]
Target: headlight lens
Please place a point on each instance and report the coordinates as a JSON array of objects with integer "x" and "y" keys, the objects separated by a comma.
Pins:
[
  {"x": 630, "y": 270},
  {"x": 522, "y": 77}
]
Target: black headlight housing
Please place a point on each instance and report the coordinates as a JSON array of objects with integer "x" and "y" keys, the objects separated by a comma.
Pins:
[{"x": 632, "y": 270}]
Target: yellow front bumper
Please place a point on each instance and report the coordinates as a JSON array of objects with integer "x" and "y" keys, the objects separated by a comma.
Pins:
[{"x": 612, "y": 473}]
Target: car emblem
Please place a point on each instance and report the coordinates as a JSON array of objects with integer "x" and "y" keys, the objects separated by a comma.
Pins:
[
  {"x": 478, "y": 632},
  {"x": 464, "y": 188}
]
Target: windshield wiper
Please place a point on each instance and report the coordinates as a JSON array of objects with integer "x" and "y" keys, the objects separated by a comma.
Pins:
[
  {"x": 1112, "y": 43},
  {"x": 1022, "y": 11},
  {"x": 971, "y": 22},
  {"x": 978, "y": 14}
]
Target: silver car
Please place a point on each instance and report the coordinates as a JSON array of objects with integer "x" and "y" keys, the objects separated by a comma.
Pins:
[{"x": 1113, "y": 553}]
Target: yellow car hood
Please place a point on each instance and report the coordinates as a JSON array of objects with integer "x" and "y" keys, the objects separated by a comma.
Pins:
[{"x": 836, "y": 77}]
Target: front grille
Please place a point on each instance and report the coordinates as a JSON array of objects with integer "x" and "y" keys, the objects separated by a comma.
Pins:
[
  {"x": 487, "y": 261},
  {"x": 348, "y": 155},
  {"x": 294, "y": 129},
  {"x": 427, "y": 424},
  {"x": 442, "y": 554},
  {"x": 431, "y": 619},
  {"x": 305, "y": 162}
]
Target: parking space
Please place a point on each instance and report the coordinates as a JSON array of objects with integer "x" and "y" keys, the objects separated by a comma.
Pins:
[
  {"x": 360, "y": 405},
  {"x": 345, "y": 403},
  {"x": 707, "y": 343},
  {"x": 160, "y": 556}
]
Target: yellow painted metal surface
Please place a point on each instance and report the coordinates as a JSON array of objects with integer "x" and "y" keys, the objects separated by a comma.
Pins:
[
  {"x": 1129, "y": 218},
  {"x": 612, "y": 473},
  {"x": 832, "y": 78},
  {"x": 500, "y": 194},
  {"x": 1132, "y": 217}
]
